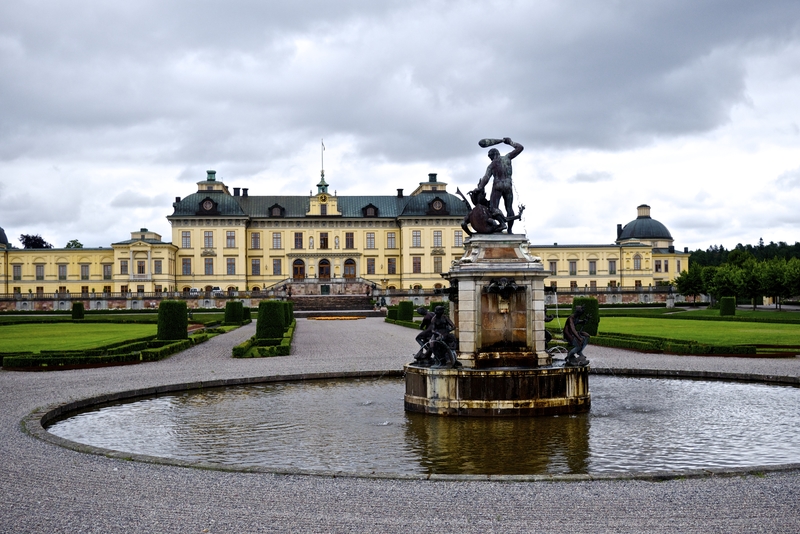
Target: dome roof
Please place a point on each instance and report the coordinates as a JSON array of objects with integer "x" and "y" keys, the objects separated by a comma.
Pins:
[
  {"x": 3, "y": 238},
  {"x": 644, "y": 227}
]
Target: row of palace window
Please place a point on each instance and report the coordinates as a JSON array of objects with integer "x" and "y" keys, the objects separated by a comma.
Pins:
[
  {"x": 84, "y": 290},
  {"x": 658, "y": 266},
  {"x": 62, "y": 271},
  {"x": 277, "y": 270},
  {"x": 573, "y": 267},
  {"x": 141, "y": 267},
  {"x": 324, "y": 242},
  {"x": 593, "y": 284}
]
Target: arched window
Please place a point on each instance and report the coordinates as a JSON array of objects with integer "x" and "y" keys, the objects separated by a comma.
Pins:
[
  {"x": 324, "y": 269},
  {"x": 298, "y": 269},
  {"x": 637, "y": 262},
  {"x": 276, "y": 211},
  {"x": 349, "y": 268}
]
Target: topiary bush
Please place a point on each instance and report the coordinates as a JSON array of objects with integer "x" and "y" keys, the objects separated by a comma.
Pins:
[
  {"x": 77, "y": 311},
  {"x": 246, "y": 315},
  {"x": 234, "y": 312},
  {"x": 727, "y": 306},
  {"x": 271, "y": 319},
  {"x": 405, "y": 310},
  {"x": 173, "y": 321},
  {"x": 591, "y": 310},
  {"x": 443, "y": 303},
  {"x": 288, "y": 309}
]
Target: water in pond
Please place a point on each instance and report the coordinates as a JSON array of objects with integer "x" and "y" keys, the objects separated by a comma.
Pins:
[{"x": 635, "y": 424}]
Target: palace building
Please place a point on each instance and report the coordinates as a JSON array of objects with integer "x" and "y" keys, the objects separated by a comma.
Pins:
[{"x": 234, "y": 243}]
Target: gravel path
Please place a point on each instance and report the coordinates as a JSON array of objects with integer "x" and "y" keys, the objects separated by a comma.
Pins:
[{"x": 49, "y": 489}]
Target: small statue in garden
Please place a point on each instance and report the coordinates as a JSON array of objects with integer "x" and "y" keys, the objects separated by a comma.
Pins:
[
  {"x": 437, "y": 343},
  {"x": 423, "y": 357},
  {"x": 443, "y": 341},
  {"x": 576, "y": 337}
]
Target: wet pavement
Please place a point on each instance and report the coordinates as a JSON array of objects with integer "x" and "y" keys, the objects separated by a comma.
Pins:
[{"x": 50, "y": 489}]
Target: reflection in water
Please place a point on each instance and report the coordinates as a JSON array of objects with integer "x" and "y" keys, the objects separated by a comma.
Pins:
[
  {"x": 499, "y": 446},
  {"x": 635, "y": 424}
]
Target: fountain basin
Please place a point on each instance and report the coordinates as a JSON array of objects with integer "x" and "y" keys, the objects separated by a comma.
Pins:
[
  {"x": 651, "y": 428},
  {"x": 497, "y": 391}
]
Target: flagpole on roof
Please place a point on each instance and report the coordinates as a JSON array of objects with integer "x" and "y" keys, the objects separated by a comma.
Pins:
[{"x": 322, "y": 158}]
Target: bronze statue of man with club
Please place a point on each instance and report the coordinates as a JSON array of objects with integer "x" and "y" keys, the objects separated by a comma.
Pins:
[{"x": 500, "y": 170}]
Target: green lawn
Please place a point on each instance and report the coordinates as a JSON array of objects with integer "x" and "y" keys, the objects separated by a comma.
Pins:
[
  {"x": 712, "y": 332},
  {"x": 68, "y": 336},
  {"x": 750, "y": 314}
]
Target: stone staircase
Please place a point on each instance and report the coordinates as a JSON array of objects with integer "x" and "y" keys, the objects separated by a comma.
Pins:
[{"x": 305, "y": 305}]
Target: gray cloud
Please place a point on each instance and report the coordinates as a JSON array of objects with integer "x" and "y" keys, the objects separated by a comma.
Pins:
[
  {"x": 591, "y": 177},
  {"x": 245, "y": 87},
  {"x": 789, "y": 179},
  {"x": 135, "y": 199}
]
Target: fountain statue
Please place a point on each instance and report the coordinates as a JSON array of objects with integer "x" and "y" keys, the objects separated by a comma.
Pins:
[{"x": 491, "y": 359}]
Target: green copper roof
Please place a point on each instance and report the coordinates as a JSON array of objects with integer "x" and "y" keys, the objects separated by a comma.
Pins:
[
  {"x": 644, "y": 227},
  {"x": 298, "y": 206}
]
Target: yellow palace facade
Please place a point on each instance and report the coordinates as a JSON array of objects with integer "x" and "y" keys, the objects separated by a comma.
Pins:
[{"x": 230, "y": 242}]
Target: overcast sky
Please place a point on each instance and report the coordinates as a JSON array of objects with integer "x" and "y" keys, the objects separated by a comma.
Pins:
[{"x": 110, "y": 109}]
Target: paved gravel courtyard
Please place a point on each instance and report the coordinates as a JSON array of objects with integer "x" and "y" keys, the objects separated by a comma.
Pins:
[{"x": 49, "y": 489}]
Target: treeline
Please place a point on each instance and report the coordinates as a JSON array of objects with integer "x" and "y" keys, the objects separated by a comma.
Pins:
[
  {"x": 743, "y": 276},
  {"x": 718, "y": 255}
]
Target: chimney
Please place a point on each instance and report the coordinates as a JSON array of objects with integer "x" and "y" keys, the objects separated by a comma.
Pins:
[
  {"x": 685, "y": 250},
  {"x": 244, "y": 191},
  {"x": 431, "y": 176},
  {"x": 177, "y": 199},
  {"x": 672, "y": 249},
  {"x": 399, "y": 193},
  {"x": 619, "y": 230},
  {"x": 211, "y": 176},
  {"x": 236, "y": 191}
]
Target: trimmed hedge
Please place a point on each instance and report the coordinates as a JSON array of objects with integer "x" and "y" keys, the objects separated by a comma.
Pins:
[
  {"x": 407, "y": 324},
  {"x": 391, "y": 313},
  {"x": 727, "y": 306},
  {"x": 591, "y": 308},
  {"x": 265, "y": 347},
  {"x": 234, "y": 312},
  {"x": 405, "y": 310},
  {"x": 77, "y": 311},
  {"x": 173, "y": 320},
  {"x": 271, "y": 319},
  {"x": 670, "y": 346},
  {"x": 129, "y": 353},
  {"x": 247, "y": 315},
  {"x": 289, "y": 309}
]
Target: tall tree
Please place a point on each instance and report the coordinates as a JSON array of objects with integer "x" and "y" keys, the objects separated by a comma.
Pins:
[
  {"x": 34, "y": 241},
  {"x": 791, "y": 277},
  {"x": 750, "y": 278},
  {"x": 772, "y": 277},
  {"x": 728, "y": 280},
  {"x": 708, "y": 274},
  {"x": 74, "y": 243},
  {"x": 690, "y": 283}
]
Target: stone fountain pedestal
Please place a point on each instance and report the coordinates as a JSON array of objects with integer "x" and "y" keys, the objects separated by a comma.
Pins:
[{"x": 499, "y": 313}]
